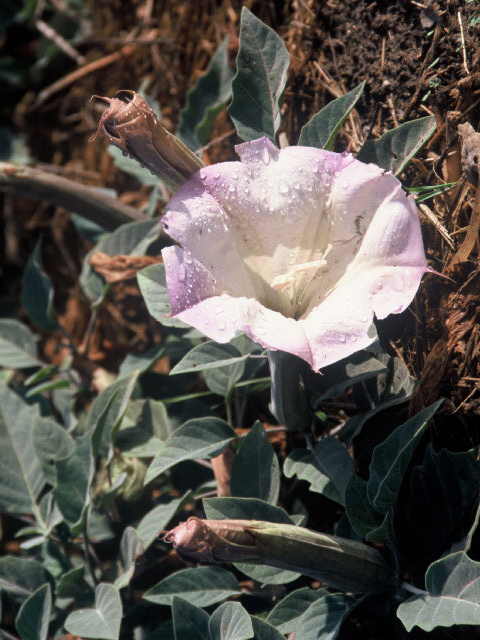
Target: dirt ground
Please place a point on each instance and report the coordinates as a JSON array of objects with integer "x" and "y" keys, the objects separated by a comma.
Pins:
[{"x": 418, "y": 58}]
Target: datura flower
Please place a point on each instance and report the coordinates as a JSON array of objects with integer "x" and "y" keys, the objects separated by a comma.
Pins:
[{"x": 299, "y": 248}]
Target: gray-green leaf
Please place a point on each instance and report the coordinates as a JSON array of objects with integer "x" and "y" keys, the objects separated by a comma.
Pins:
[
  {"x": 37, "y": 292},
  {"x": 18, "y": 349},
  {"x": 230, "y": 621},
  {"x": 103, "y": 621},
  {"x": 201, "y": 586},
  {"x": 204, "y": 101},
  {"x": 257, "y": 87},
  {"x": 21, "y": 477},
  {"x": 394, "y": 150},
  {"x": 34, "y": 615},
  {"x": 255, "y": 470},
  {"x": 322, "y": 129},
  {"x": 197, "y": 438},
  {"x": 453, "y": 585}
]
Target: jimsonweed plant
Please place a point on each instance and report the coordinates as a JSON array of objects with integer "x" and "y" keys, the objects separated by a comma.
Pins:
[{"x": 294, "y": 520}]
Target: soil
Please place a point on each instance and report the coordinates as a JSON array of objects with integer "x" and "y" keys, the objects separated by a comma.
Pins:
[{"x": 418, "y": 58}]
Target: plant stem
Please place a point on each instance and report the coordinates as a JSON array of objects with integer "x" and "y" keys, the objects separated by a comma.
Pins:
[{"x": 88, "y": 202}]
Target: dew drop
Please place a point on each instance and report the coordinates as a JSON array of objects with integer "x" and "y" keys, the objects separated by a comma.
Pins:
[
  {"x": 182, "y": 273},
  {"x": 342, "y": 338},
  {"x": 283, "y": 187},
  {"x": 231, "y": 188},
  {"x": 221, "y": 325},
  {"x": 397, "y": 282},
  {"x": 216, "y": 175},
  {"x": 265, "y": 156}
]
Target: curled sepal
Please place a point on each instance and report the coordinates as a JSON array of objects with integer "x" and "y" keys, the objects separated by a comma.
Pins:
[
  {"x": 131, "y": 125},
  {"x": 344, "y": 564}
]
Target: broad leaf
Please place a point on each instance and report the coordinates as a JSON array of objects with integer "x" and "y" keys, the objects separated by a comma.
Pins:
[
  {"x": 391, "y": 459},
  {"x": 244, "y": 509},
  {"x": 204, "y": 101},
  {"x": 50, "y": 440},
  {"x": 323, "y": 619},
  {"x": 394, "y": 150},
  {"x": 362, "y": 515},
  {"x": 201, "y": 586},
  {"x": 230, "y": 621},
  {"x": 34, "y": 615},
  {"x": 442, "y": 500},
  {"x": 197, "y": 438},
  {"x": 208, "y": 355},
  {"x": 107, "y": 411},
  {"x": 144, "y": 427},
  {"x": 322, "y": 129},
  {"x": 74, "y": 478},
  {"x": 327, "y": 468},
  {"x": 453, "y": 585},
  {"x": 18, "y": 349},
  {"x": 262, "y": 64},
  {"x": 141, "y": 362},
  {"x": 286, "y": 615},
  {"x": 221, "y": 380},
  {"x": 264, "y": 631},
  {"x": 131, "y": 546},
  {"x": 153, "y": 288},
  {"x": 21, "y": 477},
  {"x": 255, "y": 470},
  {"x": 20, "y": 577},
  {"x": 37, "y": 292},
  {"x": 101, "y": 622},
  {"x": 73, "y": 585},
  {"x": 189, "y": 622}
]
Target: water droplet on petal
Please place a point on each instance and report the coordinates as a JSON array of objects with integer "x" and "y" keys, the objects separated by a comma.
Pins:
[
  {"x": 231, "y": 188},
  {"x": 221, "y": 325},
  {"x": 342, "y": 338},
  {"x": 265, "y": 156},
  {"x": 182, "y": 272},
  {"x": 283, "y": 187},
  {"x": 216, "y": 175},
  {"x": 397, "y": 282}
]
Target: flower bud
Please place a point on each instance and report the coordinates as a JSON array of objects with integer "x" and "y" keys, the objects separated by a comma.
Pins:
[{"x": 130, "y": 124}]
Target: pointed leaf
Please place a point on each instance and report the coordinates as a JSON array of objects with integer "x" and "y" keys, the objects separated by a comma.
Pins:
[
  {"x": 21, "y": 477},
  {"x": 107, "y": 411},
  {"x": 74, "y": 478},
  {"x": 50, "y": 440},
  {"x": 21, "y": 577},
  {"x": 101, "y": 622},
  {"x": 244, "y": 509},
  {"x": 394, "y": 150},
  {"x": 131, "y": 546},
  {"x": 204, "y": 101},
  {"x": 197, "y": 438},
  {"x": 391, "y": 459},
  {"x": 201, "y": 586},
  {"x": 286, "y": 615},
  {"x": 322, "y": 129},
  {"x": 230, "y": 621},
  {"x": 18, "y": 349},
  {"x": 323, "y": 619},
  {"x": 262, "y": 65},
  {"x": 37, "y": 292},
  {"x": 208, "y": 355},
  {"x": 264, "y": 631},
  {"x": 453, "y": 585},
  {"x": 255, "y": 470},
  {"x": 34, "y": 615},
  {"x": 327, "y": 468},
  {"x": 189, "y": 622},
  {"x": 153, "y": 288}
]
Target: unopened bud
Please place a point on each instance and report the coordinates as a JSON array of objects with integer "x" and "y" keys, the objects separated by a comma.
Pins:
[
  {"x": 130, "y": 124},
  {"x": 345, "y": 564}
]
